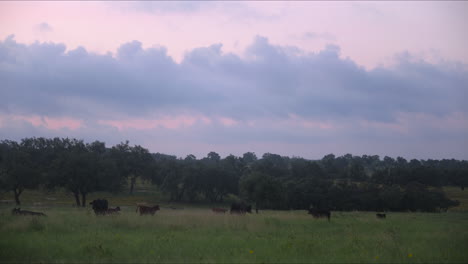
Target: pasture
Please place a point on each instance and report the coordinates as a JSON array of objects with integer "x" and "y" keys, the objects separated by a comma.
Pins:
[{"x": 196, "y": 235}]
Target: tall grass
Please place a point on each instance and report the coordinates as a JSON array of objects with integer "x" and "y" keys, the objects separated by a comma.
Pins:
[{"x": 198, "y": 235}]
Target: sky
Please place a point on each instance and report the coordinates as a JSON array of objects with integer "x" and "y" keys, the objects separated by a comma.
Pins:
[{"x": 291, "y": 78}]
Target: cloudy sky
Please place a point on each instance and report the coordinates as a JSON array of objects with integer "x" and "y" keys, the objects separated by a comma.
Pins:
[{"x": 293, "y": 78}]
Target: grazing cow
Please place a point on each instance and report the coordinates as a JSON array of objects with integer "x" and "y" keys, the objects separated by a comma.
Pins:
[
  {"x": 147, "y": 210},
  {"x": 317, "y": 213},
  {"x": 219, "y": 210},
  {"x": 381, "y": 216},
  {"x": 100, "y": 206},
  {"x": 18, "y": 211},
  {"x": 241, "y": 208},
  {"x": 113, "y": 210}
]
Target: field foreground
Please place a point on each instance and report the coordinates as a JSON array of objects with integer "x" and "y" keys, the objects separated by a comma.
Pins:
[{"x": 198, "y": 235}]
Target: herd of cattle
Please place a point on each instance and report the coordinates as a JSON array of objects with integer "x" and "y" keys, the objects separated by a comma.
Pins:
[{"x": 101, "y": 207}]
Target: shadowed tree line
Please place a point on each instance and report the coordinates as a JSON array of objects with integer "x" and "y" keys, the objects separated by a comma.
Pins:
[{"x": 271, "y": 182}]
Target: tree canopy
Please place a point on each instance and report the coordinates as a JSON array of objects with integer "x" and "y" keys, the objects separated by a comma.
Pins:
[{"x": 338, "y": 183}]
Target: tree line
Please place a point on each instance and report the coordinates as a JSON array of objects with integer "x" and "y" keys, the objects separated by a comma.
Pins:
[{"x": 271, "y": 182}]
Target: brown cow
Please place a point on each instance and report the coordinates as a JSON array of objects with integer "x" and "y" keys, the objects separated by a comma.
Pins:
[
  {"x": 147, "y": 209},
  {"x": 113, "y": 210},
  {"x": 219, "y": 210},
  {"x": 18, "y": 211}
]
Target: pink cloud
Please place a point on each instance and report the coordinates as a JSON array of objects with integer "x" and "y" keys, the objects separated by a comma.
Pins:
[
  {"x": 168, "y": 122},
  {"x": 407, "y": 123},
  {"x": 307, "y": 123},
  {"x": 384, "y": 28},
  {"x": 52, "y": 123},
  {"x": 65, "y": 122},
  {"x": 33, "y": 120},
  {"x": 400, "y": 126},
  {"x": 226, "y": 121},
  {"x": 206, "y": 120}
]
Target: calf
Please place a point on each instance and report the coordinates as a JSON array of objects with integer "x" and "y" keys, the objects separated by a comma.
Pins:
[
  {"x": 147, "y": 209},
  {"x": 113, "y": 210},
  {"x": 381, "y": 216},
  {"x": 18, "y": 211},
  {"x": 219, "y": 210}
]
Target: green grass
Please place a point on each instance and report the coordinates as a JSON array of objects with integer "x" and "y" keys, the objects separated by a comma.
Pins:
[
  {"x": 195, "y": 234},
  {"x": 198, "y": 235}
]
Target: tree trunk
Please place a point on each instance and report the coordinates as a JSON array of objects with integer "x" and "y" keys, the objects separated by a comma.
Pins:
[
  {"x": 17, "y": 193},
  {"x": 83, "y": 199},
  {"x": 77, "y": 198},
  {"x": 132, "y": 184}
]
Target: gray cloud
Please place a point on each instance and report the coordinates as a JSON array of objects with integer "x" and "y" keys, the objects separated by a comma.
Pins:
[
  {"x": 273, "y": 80},
  {"x": 324, "y": 35},
  {"x": 269, "y": 83},
  {"x": 44, "y": 27},
  {"x": 233, "y": 11},
  {"x": 163, "y": 6}
]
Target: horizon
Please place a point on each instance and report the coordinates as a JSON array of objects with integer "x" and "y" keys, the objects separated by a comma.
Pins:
[
  {"x": 302, "y": 79},
  {"x": 258, "y": 155}
]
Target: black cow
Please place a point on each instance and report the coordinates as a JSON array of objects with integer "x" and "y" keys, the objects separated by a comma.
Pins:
[
  {"x": 147, "y": 209},
  {"x": 241, "y": 208},
  {"x": 317, "y": 213},
  {"x": 381, "y": 216},
  {"x": 100, "y": 206},
  {"x": 18, "y": 211}
]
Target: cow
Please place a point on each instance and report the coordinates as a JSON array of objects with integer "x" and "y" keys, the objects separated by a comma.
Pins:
[
  {"x": 100, "y": 206},
  {"x": 18, "y": 211},
  {"x": 317, "y": 213},
  {"x": 219, "y": 210},
  {"x": 113, "y": 210},
  {"x": 147, "y": 209},
  {"x": 241, "y": 208},
  {"x": 381, "y": 216}
]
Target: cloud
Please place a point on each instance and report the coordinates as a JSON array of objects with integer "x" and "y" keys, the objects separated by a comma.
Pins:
[
  {"x": 324, "y": 35},
  {"x": 44, "y": 27},
  {"x": 275, "y": 95},
  {"x": 163, "y": 6}
]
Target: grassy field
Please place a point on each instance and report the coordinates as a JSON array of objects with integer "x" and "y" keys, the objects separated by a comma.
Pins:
[
  {"x": 195, "y": 234},
  {"x": 198, "y": 235}
]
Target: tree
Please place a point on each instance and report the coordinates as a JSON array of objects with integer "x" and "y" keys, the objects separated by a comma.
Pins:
[
  {"x": 133, "y": 162},
  {"x": 213, "y": 156},
  {"x": 249, "y": 158},
  {"x": 264, "y": 190},
  {"x": 302, "y": 168},
  {"x": 355, "y": 171},
  {"x": 392, "y": 197},
  {"x": 328, "y": 162},
  {"x": 82, "y": 168},
  {"x": 191, "y": 175},
  {"x": 172, "y": 172},
  {"x": 79, "y": 169},
  {"x": 18, "y": 170},
  {"x": 273, "y": 165}
]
